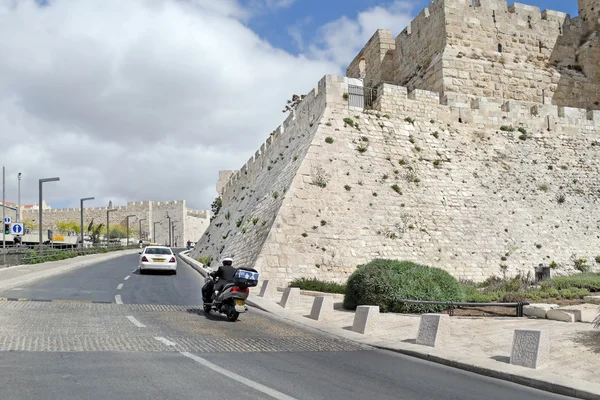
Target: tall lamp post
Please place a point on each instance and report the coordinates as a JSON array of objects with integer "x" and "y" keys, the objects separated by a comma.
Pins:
[
  {"x": 81, "y": 216},
  {"x": 127, "y": 218},
  {"x": 143, "y": 219},
  {"x": 154, "y": 232},
  {"x": 19, "y": 199},
  {"x": 169, "y": 228},
  {"x": 108, "y": 226},
  {"x": 42, "y": 181},
  {"x": 173, "y": 232}
]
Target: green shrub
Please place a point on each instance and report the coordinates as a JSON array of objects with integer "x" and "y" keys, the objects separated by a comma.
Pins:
[
  {"x": 205, "y": 260},
  {"x": 317, "y": 285},
  {"x": 383, "y": 282},
  {"x": 589, "y": 281}
]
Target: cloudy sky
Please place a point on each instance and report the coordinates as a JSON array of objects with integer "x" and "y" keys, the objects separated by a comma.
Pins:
[{"x": 135, "y": 100}]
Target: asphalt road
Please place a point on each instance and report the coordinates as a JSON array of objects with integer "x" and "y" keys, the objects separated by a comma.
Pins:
[{"x": 160, "y": 345}]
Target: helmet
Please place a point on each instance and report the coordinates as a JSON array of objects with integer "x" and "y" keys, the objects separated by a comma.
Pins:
[{"x": 228, "y": 261}]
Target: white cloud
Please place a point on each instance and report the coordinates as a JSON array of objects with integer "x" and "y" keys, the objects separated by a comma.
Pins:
[
  {"x": 145, "y": 99},
  {"x": 340, "y": 40}
]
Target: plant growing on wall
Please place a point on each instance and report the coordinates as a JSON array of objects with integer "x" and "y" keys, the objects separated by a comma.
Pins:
[
  {"x": 216, "y": 207},
  {"x": 320, "y": 179},
  {"x": 293, "y": 103}
]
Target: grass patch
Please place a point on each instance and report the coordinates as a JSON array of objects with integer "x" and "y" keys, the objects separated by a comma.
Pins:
[{"x": 316, "y": 285}]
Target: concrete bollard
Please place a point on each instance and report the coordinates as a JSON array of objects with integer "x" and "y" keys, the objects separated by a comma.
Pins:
[
  {"x": 267, "y": 289},
  {"x": 366, "y": 319},
  {"x": 530, "y": 348},
  {"x": 433, "y": 330},
  {"x": 291, "y": 297},
  {"x": 322, "y": 308}
]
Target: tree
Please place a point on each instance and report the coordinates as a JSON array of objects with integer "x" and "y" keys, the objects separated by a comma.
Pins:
[
  {"x": 94, "y": 231},
  {"x": 216, "y": 207},
  {"x": 65, "y": 227},
  {"x": 293, "y": 103}
]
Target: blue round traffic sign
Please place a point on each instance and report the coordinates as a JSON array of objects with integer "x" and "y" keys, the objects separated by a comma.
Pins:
[
  {"x": 17, "y": 228},
  {"x": 7, "y": 220}
]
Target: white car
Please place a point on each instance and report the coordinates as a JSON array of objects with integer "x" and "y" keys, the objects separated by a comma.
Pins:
[{"x": 159, "y": 258}]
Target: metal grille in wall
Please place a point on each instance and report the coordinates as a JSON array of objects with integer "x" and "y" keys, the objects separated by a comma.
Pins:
[{"x": 361, "y": 97}]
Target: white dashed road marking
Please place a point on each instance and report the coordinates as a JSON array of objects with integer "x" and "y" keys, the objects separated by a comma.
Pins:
[
  {"x": 135, "y": 322},
  {"x": 120, "y": 286},
  {"x": 127, "y": 277},
  {"x": 118, "y": 299},
  {"x": 254, "y": 385},
  {"x": 165, "y": 341}
]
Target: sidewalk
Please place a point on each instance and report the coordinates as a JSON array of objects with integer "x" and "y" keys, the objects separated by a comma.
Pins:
[
  {"x": 22, "y": 274},
  {"x": 479, "y": 344}
]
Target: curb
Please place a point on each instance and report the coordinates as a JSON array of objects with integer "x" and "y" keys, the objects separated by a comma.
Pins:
[{"x": 194, "y": 264}]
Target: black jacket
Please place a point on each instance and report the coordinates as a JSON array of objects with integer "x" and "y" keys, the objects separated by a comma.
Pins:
[{"x": 225, "y": 274}]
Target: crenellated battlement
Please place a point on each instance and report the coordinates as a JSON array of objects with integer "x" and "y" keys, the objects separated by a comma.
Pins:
[
  {"x": 278, "y": 139},
  {"x": 487, "y": 48}
]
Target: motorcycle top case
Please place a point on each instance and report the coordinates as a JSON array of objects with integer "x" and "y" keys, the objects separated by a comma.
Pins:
[{"x": 246, "y": 277}]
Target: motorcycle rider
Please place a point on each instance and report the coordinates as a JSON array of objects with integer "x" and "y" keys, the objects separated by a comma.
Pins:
[{"x": 225, "y": 274}]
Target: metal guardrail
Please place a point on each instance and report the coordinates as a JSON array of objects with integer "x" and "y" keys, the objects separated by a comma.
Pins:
[
  {"x": 451, "y": 305},
  {"x": 32, "y": 254}
]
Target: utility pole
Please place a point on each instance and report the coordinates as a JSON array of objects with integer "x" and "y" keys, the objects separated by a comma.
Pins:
[
  {"x": 154, "y": 233},
  {"x": 3, "y": 215},
  {"x": 127, "y": 218},
  {"x": 19, "y": 200},
  {"x": 107, "y": 226},
  {"x": 169, "y": 228},
  {"x": 140, "y": 221},
  {"x": 42, "y": 181}
]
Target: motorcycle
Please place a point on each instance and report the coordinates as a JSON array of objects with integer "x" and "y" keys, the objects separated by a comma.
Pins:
[{"x": 231, "y": 299}]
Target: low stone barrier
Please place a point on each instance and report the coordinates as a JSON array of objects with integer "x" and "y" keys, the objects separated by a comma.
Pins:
[
  {"x": 267, "y": 289},
  {"x": 530, "y": 348},
  {"x": 538, "y": 310},
  {"x": 433, "y": 330},
  {"x": 561, "y": 315},
  {"x": 290, "y": 298},
  {"x": 366, "y": 319},
  {"x": 322, "y": 308}
]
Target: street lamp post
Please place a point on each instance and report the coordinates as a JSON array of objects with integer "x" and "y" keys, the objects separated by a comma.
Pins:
[
  {"x": 108, "y": 226},
  {"x": 143, "y": 219},
  {"x": 169, "y": 228},
  {"x": 81, "y": 215},
  {"x": 173, "y": 232},
  {"x": 19, "y": 200},
  {"x": 127, "y": 218},
  {"x": 154, "y": 233},
  {"x": 42, "y": 181}
]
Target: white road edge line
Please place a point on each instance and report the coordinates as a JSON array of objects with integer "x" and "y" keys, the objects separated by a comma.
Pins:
[
  {"x": 165, "y": 341},
  {"x": 120, "y": 286},
  {"x": 135, "y": 322},
  {"x": 127, "y": 277},
  {"x": 255, "y": 385},
  {"x": 118, "y": 299}
]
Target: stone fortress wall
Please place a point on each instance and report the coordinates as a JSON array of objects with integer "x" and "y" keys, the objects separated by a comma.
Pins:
[
  {"x": 472, "y": 198},
  {"x": 484, "y": 48},
  {"x": 189, "y": 224},
  {"x": 477, "y": 180}
]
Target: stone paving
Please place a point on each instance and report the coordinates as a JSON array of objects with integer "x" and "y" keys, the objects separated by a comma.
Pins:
[
  {"x": 575, "y": 347},
  {"x": 75, "y": 326}
]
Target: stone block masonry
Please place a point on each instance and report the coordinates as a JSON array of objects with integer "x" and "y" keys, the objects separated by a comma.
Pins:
[
  {"x": 189, "y": 224},
  {"x": 480, "y": 188},
  {"x": 485, "y": 48}
]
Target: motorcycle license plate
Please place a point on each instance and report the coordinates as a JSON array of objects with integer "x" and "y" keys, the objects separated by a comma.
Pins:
[{"x": 239, "y": 306}]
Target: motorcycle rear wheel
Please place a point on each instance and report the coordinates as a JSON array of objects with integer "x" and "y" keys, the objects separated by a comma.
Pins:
[
  {"x": 207, "y": 308},
  {"x": 232, "y": 315}
]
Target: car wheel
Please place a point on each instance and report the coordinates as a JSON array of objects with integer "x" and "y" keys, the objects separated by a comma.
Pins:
[{"x": 141, "y": 271}]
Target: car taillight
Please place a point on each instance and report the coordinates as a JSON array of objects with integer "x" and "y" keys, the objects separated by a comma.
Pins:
[
  {"x": 144, "y": 259},
  {"x": 172, "y": 259},
  {"x": 236, "y": 289}
]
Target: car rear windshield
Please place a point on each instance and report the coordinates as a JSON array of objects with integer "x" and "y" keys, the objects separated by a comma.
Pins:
[{"x": 158, "y": 251}]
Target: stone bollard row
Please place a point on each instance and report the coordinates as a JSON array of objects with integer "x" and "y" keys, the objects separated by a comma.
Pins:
[{"x": 322, "y": 308}]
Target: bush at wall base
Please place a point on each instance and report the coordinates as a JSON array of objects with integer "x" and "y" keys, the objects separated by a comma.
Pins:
[{"x": 383, "y": 282}]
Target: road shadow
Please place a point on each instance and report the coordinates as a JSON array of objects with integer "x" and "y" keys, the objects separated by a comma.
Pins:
[
  {"x": 589, "y": 339},
  {"x": 212, "y": 316},
  {"x": 504, "y": 359},
  {"x": 412, "y": 341}
]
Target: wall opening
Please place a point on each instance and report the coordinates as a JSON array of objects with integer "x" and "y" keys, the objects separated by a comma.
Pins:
[{"x": 499, "y": 48}]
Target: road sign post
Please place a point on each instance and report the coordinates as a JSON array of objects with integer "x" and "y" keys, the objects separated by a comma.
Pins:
[{"x": 16, "y": 229}]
